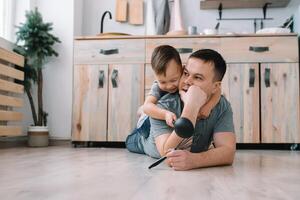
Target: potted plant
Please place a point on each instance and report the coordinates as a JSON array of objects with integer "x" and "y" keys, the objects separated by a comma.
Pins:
[{"x": 35, "y": 43}]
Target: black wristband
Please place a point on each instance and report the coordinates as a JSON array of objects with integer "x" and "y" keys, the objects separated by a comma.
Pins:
[{"x": 184, "y": 127}]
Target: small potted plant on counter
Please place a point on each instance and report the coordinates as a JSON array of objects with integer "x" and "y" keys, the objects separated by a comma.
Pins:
[{"x": 35, "y": 43}]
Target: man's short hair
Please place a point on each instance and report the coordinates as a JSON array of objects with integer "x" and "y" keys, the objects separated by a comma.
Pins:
[
  {"x": 209, "y": 55},
  {"x": 161, "y": 56}
]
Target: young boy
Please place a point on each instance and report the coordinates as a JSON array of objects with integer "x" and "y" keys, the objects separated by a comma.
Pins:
[{"x": 167, "y": 67}]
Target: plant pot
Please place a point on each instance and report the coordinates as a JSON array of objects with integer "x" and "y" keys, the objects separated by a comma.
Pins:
[{"x": 38, "y": 136}]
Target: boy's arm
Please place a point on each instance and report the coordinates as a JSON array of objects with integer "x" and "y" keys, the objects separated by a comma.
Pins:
[
  {"x": 209, "y": 105},
  {"x": 151, "y": 109}
]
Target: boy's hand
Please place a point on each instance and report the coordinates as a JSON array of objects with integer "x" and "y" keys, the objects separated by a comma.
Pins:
[{"x": 170, "y": 117}]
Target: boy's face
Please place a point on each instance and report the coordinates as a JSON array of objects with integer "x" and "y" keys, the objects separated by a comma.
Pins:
[
  {"x": 199, "y": 73},
  {"x": 170, "y": 81}
]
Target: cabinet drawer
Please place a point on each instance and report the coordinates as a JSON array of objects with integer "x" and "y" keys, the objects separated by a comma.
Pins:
[
  {"x": 260, "y": 49},
  {"x": 185, "y": 46},
  {"x": 109, "y": 51}
]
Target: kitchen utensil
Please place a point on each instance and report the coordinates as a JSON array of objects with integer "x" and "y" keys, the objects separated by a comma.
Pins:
[
  {"x": 136, "y": 12},
  {"x": 210, "y": 31},
  {"x": 192, "y": 30},
  {"x": 121, "y": 11}
]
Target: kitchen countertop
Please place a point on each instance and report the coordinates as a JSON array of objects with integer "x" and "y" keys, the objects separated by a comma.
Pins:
[{"x": 177, "y": 36}]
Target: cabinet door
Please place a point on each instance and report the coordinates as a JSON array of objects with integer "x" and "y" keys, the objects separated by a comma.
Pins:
[
  {"x": 280, "y": 103},
  {"x": 240, "y": 86},
  {"x": 126, "y": 94},
  {"x": 90, "y": 103}
]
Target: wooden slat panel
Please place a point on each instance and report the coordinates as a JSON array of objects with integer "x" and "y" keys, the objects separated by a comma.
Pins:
[
  {"x": 280, "y": 105},
  {"x": 10, "y": 116},
  {"x": 10, "y": 101},
  {"x": 90, "y": 103},
  {"x": 11, "y": 72},
  {"x": 11, "y": 87},
  {"x": 124, "y": 100},
  {"x": 11, "y": 57},
  {"x": 10, "y": 130}
]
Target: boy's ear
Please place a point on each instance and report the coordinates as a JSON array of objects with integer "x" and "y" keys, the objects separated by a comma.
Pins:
[{"x": 217, "y": 85}]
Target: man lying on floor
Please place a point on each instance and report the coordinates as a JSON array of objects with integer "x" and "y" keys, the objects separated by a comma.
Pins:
[{"x": 201, "y": 77}]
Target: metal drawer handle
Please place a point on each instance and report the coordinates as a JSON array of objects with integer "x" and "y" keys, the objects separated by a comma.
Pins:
[
  {"x": 109, "y": 51},
  {"x": 251, "y": 77},
  {"x": 184, "y": 50},
  {"x": 114, "y": 77},
  {"x": 258, "y": 49},
  {"x": 101, "y": 79},
  {"x": 267, "y": 77}
]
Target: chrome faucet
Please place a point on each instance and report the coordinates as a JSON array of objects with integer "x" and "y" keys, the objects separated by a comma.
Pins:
[{"x": 103, "y": 16}]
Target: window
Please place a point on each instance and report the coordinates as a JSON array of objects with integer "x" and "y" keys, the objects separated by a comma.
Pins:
[{"x": 7, "y": 19}]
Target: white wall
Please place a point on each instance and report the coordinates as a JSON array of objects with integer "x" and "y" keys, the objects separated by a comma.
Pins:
[
  {"x": 58, "y": 71},
  {"x": 297, "y": 20},
  {"x": 92, "y": 13},
  {"x": 191, "y": 14}
]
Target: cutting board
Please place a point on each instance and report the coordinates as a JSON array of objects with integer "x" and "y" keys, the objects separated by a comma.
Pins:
[
  {"x": 121, "y": 11},
  {"x": 136, "y": 12}
]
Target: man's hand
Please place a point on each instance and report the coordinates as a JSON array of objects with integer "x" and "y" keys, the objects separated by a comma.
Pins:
[
  {"x": 170, "y": 118},
  {"x": 180, "y": 160},
  {"x": 194, "y": 97}
]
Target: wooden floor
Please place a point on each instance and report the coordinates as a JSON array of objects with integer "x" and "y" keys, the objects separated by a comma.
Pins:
[{"x": 63, "y": 172}]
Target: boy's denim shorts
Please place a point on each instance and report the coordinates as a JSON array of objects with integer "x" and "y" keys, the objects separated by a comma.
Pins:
[{"x": 134, "y": 140}]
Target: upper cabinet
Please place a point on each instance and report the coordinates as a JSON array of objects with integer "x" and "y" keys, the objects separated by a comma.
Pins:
[{"x": 214, "y": 4}]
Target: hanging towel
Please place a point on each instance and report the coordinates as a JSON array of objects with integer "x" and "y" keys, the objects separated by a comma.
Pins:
[
  {"x": 158, "y": 17},
  {"x": 150, "y": 19}
]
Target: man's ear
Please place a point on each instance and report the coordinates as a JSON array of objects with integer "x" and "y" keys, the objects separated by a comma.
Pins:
[{"x": 216, "y": 86}]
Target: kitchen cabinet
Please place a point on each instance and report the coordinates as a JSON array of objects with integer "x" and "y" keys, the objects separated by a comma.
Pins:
[
  {"x": 265, "y": 101},
  {"x": 240, "y": 86},
  {"x": 107, "y": 90},
  {"x": 280, "y": 103},
  {"x": 261, "y": 82}
]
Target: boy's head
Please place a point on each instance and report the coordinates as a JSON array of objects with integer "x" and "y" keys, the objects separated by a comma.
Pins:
[
  {"x": 167, "y": 67},
  {"x": 205, "y": 68}
]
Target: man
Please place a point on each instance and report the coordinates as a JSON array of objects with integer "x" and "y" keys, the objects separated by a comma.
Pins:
[{"x": 201, "y": 78}]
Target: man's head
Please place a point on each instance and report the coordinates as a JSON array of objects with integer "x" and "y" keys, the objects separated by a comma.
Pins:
[
  {"x": 205, "y": 68},
  {"x": 167, "y": 67}
]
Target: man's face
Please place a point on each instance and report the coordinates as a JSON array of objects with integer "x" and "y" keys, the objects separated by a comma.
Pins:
[{"x": 199, "y": 73}]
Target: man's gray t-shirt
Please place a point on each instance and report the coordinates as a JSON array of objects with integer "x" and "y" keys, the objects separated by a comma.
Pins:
[{"x": 219, "y": 120}]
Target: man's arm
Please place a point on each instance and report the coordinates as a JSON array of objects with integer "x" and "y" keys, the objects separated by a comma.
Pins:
[
  {"x": 193, "y": 100},
  {"x": 223, "y": 154}
]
